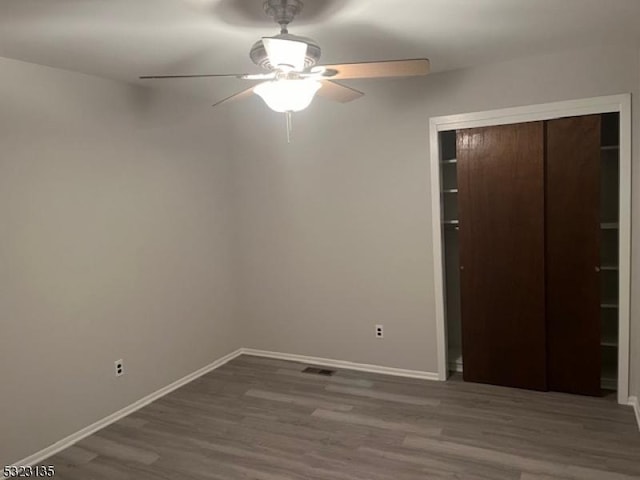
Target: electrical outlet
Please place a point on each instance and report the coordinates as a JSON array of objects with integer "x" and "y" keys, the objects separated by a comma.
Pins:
[
  {"x": 379, "y": 331},
  {"x": 119, "y": 364}
]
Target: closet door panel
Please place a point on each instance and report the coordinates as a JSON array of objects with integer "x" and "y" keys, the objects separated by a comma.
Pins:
[
  {"x": 573, "y": 254},
  {"x": 501, "y": 213}
]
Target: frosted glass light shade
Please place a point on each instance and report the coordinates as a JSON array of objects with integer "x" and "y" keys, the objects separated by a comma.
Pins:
[
  {"x": 285, "y": 54},
  {"x": 288, "y": 95}
]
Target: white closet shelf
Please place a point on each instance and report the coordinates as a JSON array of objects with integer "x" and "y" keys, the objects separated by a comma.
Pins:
[
  {"x": 609, "y": 226},
  {"x": 609, "y": 305},
  {"x": 609, "y": 268},
  {"x": 451, "y": 161},
  {"x": 608, "y": 377},
  {"x": 609, "y": 383},
  {"x": 451, "y": 222},
  {"x": 450, "y": 190}
]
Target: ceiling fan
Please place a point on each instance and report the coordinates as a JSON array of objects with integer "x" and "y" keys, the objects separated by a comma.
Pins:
[{"x": 293, "y": 76}]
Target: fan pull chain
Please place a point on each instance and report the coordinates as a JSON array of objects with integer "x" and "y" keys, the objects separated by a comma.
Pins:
[{"x": 289, "y": 117}]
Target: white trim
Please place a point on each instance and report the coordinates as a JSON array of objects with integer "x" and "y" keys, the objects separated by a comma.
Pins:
[
  {"x": 547, "y": 111},
  {"x": 114, "y": 417},
  {"x": 533, "y": 113},
  {"x": 438, "y": 257},
  {"x": 624, "y": 252},
  {"x": 635, "y": 404},
  {"x": 328, "y": 362}
]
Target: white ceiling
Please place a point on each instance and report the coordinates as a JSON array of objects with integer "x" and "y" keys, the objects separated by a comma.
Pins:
[{"x": 123, "y": 39}]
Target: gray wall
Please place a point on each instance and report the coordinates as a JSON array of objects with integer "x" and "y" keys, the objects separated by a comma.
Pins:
[
  {"x": 336, "y": 228},
  {"x": 115, "y": 243}
]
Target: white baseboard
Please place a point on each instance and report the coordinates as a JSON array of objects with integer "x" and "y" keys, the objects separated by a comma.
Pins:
[
  {"x": 635, "y": 403},
  {"x": 114, "y": 417},
  {"x": 328, "y": 362}
]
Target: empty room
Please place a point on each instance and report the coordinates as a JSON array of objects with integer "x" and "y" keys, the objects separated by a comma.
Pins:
[{"x": 320, "y": 239}]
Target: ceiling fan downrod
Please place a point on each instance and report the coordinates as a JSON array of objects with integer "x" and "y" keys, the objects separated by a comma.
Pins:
[
  {"x": 289, "y": 118},
  {"x": 283, "y": 11}
]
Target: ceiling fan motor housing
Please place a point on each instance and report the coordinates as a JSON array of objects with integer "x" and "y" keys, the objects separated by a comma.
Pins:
[
  {"x": 283, "y": 11},
  {"x": 259, "y": 55}
]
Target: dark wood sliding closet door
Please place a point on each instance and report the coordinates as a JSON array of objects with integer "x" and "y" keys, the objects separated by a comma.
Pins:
[
  {"x": 501, "y": 213},
  {"x": 573, "y": 254}
]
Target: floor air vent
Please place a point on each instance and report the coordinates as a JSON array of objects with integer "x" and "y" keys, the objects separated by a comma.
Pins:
[{"x": 319, "y": 371}]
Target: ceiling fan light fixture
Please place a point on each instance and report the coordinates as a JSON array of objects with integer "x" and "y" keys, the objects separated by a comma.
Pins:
[{"x": 288, "y": 95}]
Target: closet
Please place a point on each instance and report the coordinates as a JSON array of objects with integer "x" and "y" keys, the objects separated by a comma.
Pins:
[{"x": 531, "y": 214}]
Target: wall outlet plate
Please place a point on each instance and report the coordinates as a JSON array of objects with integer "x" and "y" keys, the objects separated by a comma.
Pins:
[
  {"x": 379, "y": 331},
  {"x": 119, "y": 367}
]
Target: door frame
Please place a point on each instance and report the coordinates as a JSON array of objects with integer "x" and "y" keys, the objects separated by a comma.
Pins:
[{"x": 531, "y": 113}]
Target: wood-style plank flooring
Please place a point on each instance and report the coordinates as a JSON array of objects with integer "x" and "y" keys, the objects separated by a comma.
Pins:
[{"x": 263, "y": 419}]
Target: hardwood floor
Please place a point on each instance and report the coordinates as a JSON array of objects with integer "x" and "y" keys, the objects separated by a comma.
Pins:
[{"x": 264, "y": 419}]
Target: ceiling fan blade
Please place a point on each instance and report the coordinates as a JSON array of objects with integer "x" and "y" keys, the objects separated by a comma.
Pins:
[
  {"x": 236, "y": 96},
  {"x": 337, "y": 92},
  {"x": 384, "y": 69},
  {"x": 241, "y": 76},
  {"x": 285, "y": 53}
]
